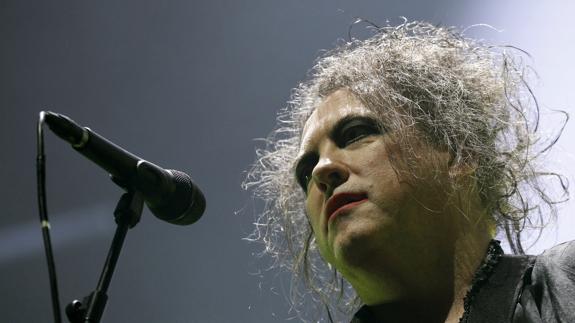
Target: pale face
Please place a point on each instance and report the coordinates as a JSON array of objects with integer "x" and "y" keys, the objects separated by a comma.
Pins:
[{"x": 364, "y": 215}]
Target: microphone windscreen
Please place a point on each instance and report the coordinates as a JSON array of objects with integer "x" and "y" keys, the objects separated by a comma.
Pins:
[{"x": 185, "y": 205}]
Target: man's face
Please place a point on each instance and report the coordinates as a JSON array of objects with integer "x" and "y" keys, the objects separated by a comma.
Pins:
[{"x": 357, "y": 202}]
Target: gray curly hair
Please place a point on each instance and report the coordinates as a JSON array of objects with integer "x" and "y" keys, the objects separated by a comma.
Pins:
[{"x": 463, "y": 95}]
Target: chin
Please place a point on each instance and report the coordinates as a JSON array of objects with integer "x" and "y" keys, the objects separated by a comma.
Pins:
[{"x": 357, "y": 243}]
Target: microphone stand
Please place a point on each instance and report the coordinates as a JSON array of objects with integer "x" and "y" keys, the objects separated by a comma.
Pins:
[{"x": 127, "y": 214}]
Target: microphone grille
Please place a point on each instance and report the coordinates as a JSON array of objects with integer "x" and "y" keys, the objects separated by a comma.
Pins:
[{"x": 185, "y": 205}]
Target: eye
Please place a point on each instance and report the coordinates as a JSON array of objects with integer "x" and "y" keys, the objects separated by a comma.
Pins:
[
  {"x": 355, "y": 130},
  {"x": 304, "y": 170}
]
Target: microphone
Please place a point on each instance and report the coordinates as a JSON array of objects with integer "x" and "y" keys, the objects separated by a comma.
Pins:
[{"x": 169, "y": 194}]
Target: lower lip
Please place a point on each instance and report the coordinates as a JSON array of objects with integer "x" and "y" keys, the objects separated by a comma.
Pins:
[{"x": 345, "y": 208}]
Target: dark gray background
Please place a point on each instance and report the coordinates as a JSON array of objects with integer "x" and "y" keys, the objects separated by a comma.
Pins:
[{"x": 188, "y": 85}]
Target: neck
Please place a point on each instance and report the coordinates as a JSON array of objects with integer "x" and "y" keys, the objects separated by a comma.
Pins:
[
  {"x": 432, "y": 292},
  {"x": 469, "y": 255},
  {"x": 438, "y": 305}
]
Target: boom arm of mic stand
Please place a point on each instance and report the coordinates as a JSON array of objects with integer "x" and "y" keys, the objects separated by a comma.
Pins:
[{"x": 127, "y": 215}]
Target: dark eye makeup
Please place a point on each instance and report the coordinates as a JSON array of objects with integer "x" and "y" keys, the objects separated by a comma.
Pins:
[
  {"x": 304, "y": 168},
  {"x": 347, "y": 131}
]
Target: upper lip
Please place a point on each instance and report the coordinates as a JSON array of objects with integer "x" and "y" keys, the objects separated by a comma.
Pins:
[{"x": 341, "y": 199}]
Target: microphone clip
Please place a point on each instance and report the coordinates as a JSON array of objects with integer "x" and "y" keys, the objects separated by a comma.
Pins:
[{"x": 127, "y": 214}]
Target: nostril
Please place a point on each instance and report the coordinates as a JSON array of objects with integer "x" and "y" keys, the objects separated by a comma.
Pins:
[
  {"x": 322, "y": 187},
  {"x": 335, "y": 178}
]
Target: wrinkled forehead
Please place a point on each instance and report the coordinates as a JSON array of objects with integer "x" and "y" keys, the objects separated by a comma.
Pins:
[{"x": 334, "y": 107}]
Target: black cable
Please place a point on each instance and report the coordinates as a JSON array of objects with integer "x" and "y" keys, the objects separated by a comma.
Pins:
[{"x": 41, "y": 183}]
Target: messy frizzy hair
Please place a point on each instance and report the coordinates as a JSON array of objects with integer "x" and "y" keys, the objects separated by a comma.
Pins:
[{"x": 463, "y": 95}]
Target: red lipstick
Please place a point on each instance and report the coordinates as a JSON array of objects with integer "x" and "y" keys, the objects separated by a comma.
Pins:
[{"x": 343, "y": 201}]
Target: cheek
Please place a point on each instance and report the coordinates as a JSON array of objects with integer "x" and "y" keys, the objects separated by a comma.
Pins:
[
  {"x": 380, "y": 158},
  {"x": 313, "y": 210},
  {"x": 313, "y": 213},
  {"x": 385, "y": 186}
]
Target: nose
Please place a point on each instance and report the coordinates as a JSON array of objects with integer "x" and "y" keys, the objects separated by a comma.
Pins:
[{"x": 329, "y": 174}]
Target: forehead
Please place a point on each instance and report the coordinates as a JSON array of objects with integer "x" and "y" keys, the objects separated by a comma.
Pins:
[{"x": 333, "y": 108}]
